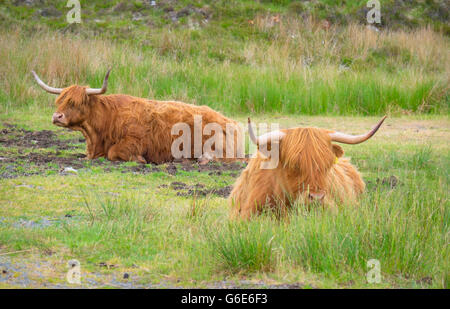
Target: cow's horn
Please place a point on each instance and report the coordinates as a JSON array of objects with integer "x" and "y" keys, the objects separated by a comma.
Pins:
[
  {"x": 45, "y": 86},
  {"x": 100, "y": 90},
  {"x": 274, "y": 136},
  {"x": 253, "y": 138},
  {"x": 355, "y": 139}
]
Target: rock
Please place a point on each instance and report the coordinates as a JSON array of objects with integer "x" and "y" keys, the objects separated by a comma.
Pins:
[
  {"x": 137, "y": 16},
  {"x": 69, "y": 170},
  {"x": 50, "y": 12}
]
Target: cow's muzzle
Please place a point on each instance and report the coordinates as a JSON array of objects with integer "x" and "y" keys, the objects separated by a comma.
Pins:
[{"x": 59, "y": 119}]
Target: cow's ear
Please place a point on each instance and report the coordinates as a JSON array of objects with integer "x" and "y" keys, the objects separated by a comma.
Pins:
[{"x": 338, "y": 151}]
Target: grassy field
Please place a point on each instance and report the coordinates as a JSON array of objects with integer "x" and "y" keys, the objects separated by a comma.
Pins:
[
  {"x": 278, "y": 61},
  {"x": 115, "y": 219},
  {"x": 240, "y": 58}
]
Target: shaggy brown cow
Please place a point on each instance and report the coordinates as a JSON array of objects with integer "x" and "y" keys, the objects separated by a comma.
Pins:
[
  {"x": 123, "y": 127},
  {"x": 310, "y": 168}
]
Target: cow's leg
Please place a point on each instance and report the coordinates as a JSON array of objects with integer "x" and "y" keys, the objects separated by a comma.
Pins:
[
  {"x": 239, "y": 211},
  {"x": 126, "y": 150},
  {"x": 246, "y": 207},
  {"x": 90, "y": 151},
  {"x": 205, "y": 158}
]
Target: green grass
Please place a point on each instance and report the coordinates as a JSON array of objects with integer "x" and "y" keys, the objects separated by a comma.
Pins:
[
  {"x": 130, "y": 221},
  {"x": 240, "y": 62},
  {"x": 231, "y": 88},
  {"x": 243, "y": 247},
  {"x": 395, "y": 14},
  {"x": 274, "y": 60}
]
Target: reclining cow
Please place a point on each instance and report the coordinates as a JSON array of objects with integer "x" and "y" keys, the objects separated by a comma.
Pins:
[
  {"x": 310, "y": 168},
  {"x": 127, "y": 128}
]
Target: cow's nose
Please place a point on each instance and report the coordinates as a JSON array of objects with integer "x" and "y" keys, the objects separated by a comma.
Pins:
[{"x": 57, "y": 117}]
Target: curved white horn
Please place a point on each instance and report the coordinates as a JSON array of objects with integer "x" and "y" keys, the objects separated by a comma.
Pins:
[
  {"x": 355, "y": 139},
  {"x": 265, "y": 138},
  {"x": 100, "y": 90},
  {"x": 253, "y": 138},
  {"x": 45, "y": 86}
]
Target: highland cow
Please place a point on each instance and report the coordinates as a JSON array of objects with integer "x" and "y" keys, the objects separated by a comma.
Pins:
[
  {"x": 310, "y": 169},
  {"x": 127, "y": 128}
]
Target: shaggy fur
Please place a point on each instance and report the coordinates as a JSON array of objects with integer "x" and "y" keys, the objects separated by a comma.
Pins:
[
  {"x": 122, "y": 127},
  {"x": 308, "y": 170}
]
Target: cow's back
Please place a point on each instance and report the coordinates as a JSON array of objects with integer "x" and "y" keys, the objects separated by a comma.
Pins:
[{"x": 157, "y": 118}]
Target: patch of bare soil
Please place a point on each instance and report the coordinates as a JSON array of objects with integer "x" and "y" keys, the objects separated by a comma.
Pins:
[
  {"x": 198, "y": 189},
  {"x": 12, "y": 136},
  {"x": 39, "y": 153},
  {"x": 213, "y": 168}
]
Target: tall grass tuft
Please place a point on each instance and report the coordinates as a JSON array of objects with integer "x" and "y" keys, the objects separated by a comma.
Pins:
[
  {"x": 400, "y": 228},
  {"x": 243, "y": 247}
]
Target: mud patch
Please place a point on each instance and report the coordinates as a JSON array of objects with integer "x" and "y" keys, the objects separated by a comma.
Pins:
[
  {"x": 140, "y": 169},
  {"x": 28, "y": 153},
  {"x": 35, "y": 163},
  {"x": 198, "y": 189},
  {"x": 213, "y": 167},
  {"x": 74, "y": 161},
  {"x": 12, "y": 136}
]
